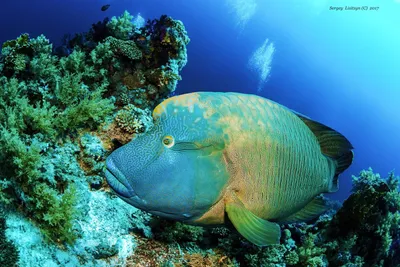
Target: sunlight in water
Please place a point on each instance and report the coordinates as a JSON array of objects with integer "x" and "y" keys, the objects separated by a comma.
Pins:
[
  {"x": 260, "y": 62},
  {"x": 244, "y": 10},
  {"x": 138, "y": 21}
]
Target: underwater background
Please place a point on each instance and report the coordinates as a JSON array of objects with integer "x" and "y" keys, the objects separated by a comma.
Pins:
[{"x": 330, "y": 60}]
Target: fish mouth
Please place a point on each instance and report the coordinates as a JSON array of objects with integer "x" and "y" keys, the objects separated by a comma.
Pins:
[{"x": 117, "y": 180}]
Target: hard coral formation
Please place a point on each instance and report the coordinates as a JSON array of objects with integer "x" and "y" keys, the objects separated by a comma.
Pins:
[
  {"x": 127, "y": 48},
  {"x": 168, "y": 40},
  {"x": 59, "y": 111},
  {"x": 371, "y": 215},
  {"x": 133, "y": 119},
  {"x": 14, "y": 54},
  {"x": 149, "y": 58}
]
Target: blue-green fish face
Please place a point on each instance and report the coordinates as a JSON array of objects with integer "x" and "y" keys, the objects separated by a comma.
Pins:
[{"x": 176, "y": 170}]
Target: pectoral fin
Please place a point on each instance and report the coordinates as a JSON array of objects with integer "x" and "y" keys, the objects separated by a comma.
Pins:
[
  {"x": 258, "y": 231},
  {"x": 313, "y": 209}
]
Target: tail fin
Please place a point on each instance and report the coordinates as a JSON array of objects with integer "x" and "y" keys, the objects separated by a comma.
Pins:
[{"x": 334, "y": 145}]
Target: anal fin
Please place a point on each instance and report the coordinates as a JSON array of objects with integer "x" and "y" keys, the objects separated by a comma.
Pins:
[
  {"x": 258, "y": 231},
  {"x": 313, "y": 209}
]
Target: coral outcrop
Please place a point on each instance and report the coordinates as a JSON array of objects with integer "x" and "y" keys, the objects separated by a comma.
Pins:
[{"x": 62, "y": 110}]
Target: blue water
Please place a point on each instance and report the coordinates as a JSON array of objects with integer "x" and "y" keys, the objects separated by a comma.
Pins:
[{"x": 341, "y": 68}]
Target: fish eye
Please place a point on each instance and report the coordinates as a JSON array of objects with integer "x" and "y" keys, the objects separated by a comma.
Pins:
[{"x": 168, "y": 141}]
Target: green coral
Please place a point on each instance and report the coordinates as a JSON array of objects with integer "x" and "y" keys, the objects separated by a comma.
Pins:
[
  {"x": 50, "y": 109},
  {"x": 291, "y": 258},
  {"x": 44, "y": 67},
  {"x": 121, "y": 27},
  {"x": 42, "y": 200},
  {"x": 41, "y": 45},
  {"x": 46, "y": 102},
  {"x": 16, "y": 54},
  {"x": 21, "y": 42},
  {"x": 54, "y": 101},
  {"x": 103, "y": 56},
  {"x": 90, "y": 111},
  {"x": 19, "y": 62},
  {"x": 372, "y": 214},
  {"x": 56, "y": 212},
  {"x": 133, "y": 119},
  {"x": 310, "y": 253},
  {"x": 269, "y": 256}
]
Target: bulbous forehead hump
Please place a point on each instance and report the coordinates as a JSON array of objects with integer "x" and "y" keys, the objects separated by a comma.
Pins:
[
  {"x": 177, "y": 103},
  {"x": 200, "y": 105}
]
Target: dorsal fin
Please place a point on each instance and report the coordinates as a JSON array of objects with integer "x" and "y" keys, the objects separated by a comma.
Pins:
[{"x": 332, "y": 143}]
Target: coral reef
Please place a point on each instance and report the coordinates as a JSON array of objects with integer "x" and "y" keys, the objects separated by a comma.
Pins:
[
  {"x": 61, "y": 112},
  {"x": 370, "y": 217},
  {"x": 104, "y": 226},
  {"x": 121, "y": 27}
]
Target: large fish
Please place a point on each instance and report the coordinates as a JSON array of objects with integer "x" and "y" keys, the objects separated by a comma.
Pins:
[{"x": 211, "y": 154}]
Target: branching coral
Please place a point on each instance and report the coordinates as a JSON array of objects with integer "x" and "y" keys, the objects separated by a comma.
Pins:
[
  {"x": 16, "y": 54},
  {"x": 133, "y": 119},
  {"x": 36, "y": 109},
  {"x": 121, "y": 27},
  {"x": 372, "y": 214},
  {"x": 48, "y": 104}
]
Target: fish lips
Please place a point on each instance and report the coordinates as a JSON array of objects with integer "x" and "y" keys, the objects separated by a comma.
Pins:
[{"x": 117, "y": 180}]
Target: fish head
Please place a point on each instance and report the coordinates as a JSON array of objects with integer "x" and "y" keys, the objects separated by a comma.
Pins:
[{"x": 176, "y": 170}]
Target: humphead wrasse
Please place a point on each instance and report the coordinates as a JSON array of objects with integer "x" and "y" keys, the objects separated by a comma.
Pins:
[{"x": 211, "y": 154}]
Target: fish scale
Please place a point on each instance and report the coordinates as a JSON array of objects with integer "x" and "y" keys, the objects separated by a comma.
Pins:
[{"x": 283, "y": 181}]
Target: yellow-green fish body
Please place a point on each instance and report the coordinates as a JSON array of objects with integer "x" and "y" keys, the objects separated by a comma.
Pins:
[
  {"x": 274, "y": 160},
  {"x": 230, "y": 153}
]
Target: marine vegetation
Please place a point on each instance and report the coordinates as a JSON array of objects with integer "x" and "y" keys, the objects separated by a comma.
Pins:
[{"x": 64, "y": 110}]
